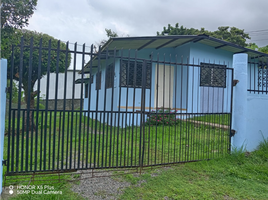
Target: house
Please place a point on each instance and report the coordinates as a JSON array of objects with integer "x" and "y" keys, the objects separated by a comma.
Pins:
[{"x": 186, "y": 75}]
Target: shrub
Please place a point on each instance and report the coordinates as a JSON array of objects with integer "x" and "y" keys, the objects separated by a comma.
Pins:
[{"x": 165, "y": 117}]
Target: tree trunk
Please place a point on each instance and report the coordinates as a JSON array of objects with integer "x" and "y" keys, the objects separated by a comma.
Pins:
[{"x": 29, "y": 118}]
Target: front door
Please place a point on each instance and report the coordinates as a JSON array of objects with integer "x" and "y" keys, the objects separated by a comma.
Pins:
[{"x": 164, "y": 86}]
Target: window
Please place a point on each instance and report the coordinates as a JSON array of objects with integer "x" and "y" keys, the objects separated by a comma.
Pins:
[
  {"x": 109, "y": 77},
  {"x": 98, "y": 81},
  {"x": 86, "y": 90},
  {"x": 262, "y": 76},
  {"x": 131, "y": 74},
  {"x": 87, "y": 86},
  {"x": 212, "y": 75}
]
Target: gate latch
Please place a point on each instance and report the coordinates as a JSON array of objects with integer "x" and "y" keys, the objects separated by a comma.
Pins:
[
  {"x": 235, "y": 82},
  {"x": 4, "y": 162},
  {"x": 233, "y": 132}
]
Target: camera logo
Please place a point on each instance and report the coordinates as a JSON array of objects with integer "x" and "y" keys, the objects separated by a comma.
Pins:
[{"x": 11, "y": 189}]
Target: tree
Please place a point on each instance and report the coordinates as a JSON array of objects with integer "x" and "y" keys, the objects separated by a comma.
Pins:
[
  {"x": 255, "y": 47},
  {"x": 46, "y": 39},
  {"x": 109, "y": 34},
  {"x": 263, "y": 49},
  {"x": 226, "y": 33},
  {"x": 14, "y": 14}
]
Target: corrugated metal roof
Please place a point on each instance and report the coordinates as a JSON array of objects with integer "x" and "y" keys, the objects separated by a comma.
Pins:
[{"x": 172, "y": 41}]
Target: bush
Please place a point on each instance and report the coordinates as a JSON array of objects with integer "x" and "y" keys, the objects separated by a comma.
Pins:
[{"x": 165, "y": 117}]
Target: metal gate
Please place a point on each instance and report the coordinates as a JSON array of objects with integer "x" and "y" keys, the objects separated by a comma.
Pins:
[{"x": 72, "y": 108}]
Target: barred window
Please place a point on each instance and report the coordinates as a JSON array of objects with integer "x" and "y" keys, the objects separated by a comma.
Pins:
[
  {"x": 109, "y": 76},
  {"x": 131, "y": 79},
  {"x": 86, "y": 90},
  {"x": 98, "y": 81},
  {"x": 212, "y": 75},
  {"x": 262, "y": 76}
]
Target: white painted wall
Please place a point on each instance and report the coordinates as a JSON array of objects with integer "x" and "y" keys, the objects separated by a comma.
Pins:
[{"x": 61, "y": 79}]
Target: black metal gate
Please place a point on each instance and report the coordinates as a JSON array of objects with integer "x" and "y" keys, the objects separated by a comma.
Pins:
[{"x": 72, "y": 108}]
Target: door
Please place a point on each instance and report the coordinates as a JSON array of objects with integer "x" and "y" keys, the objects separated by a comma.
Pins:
[{"x": 164, "y": 86}]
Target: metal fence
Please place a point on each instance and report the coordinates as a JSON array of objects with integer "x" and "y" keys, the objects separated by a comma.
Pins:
[
  {"x": 133, "y": 112},
  {"x": 258, "y": 75}
]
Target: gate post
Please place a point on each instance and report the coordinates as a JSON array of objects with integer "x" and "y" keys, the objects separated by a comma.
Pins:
[
  {"x": 239, "y": 118},
  {"x": 3, "y": 84}
]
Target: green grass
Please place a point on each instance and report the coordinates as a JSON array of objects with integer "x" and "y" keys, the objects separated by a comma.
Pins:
[
  {"x": 110, "y": 147},
  {"x": 214, "y": 118},
  {"x": 75, "y": 145},
  {"x": 237, "y": 176}
]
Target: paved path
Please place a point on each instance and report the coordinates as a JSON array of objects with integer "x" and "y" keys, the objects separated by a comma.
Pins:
[{"x": 225, "y": 127}]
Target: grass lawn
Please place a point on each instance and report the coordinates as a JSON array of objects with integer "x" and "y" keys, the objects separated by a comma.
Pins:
[
  {"x": 237, "y": 176},
  {"x": 82, "y": 142},
  {"x": 223, "y": 119}
]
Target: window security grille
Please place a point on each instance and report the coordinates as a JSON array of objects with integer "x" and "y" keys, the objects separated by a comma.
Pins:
[
  {"x": 131, "y": 74},
  {"x": 212, "y": 75},
  {"x": 262, "y": 77}
]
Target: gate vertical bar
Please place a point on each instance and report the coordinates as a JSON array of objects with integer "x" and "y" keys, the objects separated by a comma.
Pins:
[
  {"x": 38, "y": 101},
  {"x": 142, "y": 117},
  {"x": 10, "y": 107},
  {"x": 29, "y": 113},
  {"x": 3, "y": 83}
]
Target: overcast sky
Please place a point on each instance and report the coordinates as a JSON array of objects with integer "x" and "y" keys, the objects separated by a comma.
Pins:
[{"x": 84, "y": 21}]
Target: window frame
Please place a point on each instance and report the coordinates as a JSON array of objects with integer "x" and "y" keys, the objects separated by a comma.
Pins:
[
  {"x": 210, "y": 68},
  {"x": 126, "y": 70}
]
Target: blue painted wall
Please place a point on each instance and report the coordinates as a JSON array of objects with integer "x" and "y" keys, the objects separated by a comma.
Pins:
[
  {"x": 186, "y": 87},
  {"x": 208, "y": 99}
]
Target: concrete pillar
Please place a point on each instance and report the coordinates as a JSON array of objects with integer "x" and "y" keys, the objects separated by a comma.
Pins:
[
  {"x": 239, "y": 119},
  {"x": 3, "y": 84}
]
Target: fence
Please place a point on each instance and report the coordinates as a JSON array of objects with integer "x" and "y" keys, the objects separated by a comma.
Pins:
[{"x": 133, "y": 112}]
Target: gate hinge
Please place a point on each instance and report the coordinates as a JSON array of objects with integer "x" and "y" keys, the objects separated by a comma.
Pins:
[
  {"x": 7, "y": 89},
  {"x": 4, "y": 162},
  {"x": 233, "y": 132}
]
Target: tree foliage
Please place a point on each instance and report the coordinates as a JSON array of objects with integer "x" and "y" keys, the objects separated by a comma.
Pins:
[
  {"x": 15, "y": 14},
  {"x": 109, "y": 34},
  {"x": 48, "y": 61},
  {"x": 46, "y": 39},
  {"x": 255, "y": 47},
  {"x": 226, "y": 33}
]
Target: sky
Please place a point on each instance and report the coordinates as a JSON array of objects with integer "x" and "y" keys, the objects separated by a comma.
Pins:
[{"x": 84, "y": 21}]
